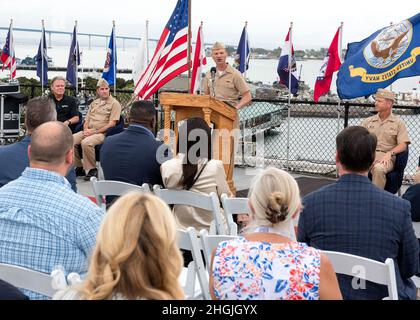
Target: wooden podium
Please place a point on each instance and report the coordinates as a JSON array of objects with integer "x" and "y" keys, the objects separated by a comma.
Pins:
[{"x": 215, "y": 112}]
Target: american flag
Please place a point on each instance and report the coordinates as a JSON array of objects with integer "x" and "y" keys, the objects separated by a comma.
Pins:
[
  {"x": 171, "y": 55},
  {"x": 8, "y": 54}
]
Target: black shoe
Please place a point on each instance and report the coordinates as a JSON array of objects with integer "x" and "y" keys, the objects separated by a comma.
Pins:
[
  {"x": 92, "y": 173},
  {"x": 80, "y": 172}
]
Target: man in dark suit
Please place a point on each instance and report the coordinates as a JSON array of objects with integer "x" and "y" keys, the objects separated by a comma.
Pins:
[
  {"x": 134, "y": 155},
  {"x": 14, "y": 157},
  {"x": 356, "y": 217}
]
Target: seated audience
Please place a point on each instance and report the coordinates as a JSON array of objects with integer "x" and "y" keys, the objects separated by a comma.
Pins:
[
  {"x": 267, "y": 263},
  {"x": 356, "y": 217},
  {"x": 14, "y": 157},
  {"x": 136, "y": 254},
  {"x": 43, "y": 222},
  {"x": 103, "y": 113},
  {"x": 193, "y": 169},
  {"x": 134, "y": 155}
]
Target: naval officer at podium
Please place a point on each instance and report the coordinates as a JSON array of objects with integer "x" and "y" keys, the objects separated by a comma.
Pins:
[{"x": 224, "y": 82}]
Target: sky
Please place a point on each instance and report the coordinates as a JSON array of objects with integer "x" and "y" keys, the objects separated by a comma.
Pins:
[{"x": 315, "y": 21}]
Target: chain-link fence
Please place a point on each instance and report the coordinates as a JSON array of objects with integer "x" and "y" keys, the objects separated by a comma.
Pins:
[
  {"x": 299, "y": 138},
  {"x": 302, "y": 138}
]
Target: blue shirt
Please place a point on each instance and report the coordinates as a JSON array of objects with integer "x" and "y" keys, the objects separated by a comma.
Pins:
[
  {"x": 14, "y": 159},
  {"x": 43, "y": 223}
]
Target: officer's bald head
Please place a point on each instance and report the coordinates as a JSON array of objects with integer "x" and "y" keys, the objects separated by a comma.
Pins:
[{"x": 50, "y": 143}]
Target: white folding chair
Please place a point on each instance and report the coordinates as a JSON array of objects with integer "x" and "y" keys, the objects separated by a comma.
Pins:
[
  {"x": 102, "y": 188},
  {"x": 188, "y": 241},
  {"x": 198, "y": 200},
  {"x": 233, "y": 206},
  {"x": 210, "y": 242},
  {"x": 28, "y": 279},
  {"x": 416, "y": 227},
  {"x": 367, "y": 269}
]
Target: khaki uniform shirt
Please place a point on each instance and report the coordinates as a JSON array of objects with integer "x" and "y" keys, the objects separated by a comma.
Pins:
[
  {"x": 102, "y": 111},
  {"x": 228, "y": 87},
  {"x": 390, "y": 132}
]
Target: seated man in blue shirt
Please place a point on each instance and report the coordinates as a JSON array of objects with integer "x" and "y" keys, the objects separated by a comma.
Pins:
[
  {"x": 43, "y": 222},
  {"x": 134, "y": 155},
  {"x": 14, "y": 157}
]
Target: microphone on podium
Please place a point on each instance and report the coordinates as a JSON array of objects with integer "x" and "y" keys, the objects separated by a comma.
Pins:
[{"x": 213, "y": 78}]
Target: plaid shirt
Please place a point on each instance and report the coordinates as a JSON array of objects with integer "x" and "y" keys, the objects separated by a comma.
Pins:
[
  {"x": 354, "y": 216},
  {"x": 43, "y": 223}
]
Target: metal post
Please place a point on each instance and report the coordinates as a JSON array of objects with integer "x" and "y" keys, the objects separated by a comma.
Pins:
[
  {"x": 189, "y": 45},
  {"x": 90, "y": 47},
  {"x": 42, "y": 58},
  {"x": 290, "y": 94},
  {"x": 114, "y": 53},
  {"x": 346, "y": 114},
  {"x": 76, "y": 60}
]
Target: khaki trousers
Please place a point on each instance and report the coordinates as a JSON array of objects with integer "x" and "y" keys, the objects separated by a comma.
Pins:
[
  {"x": 88, "y": 149},
  {"x": 379, "y": 171}
]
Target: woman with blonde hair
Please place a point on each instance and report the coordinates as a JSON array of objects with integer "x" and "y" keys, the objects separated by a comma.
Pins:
[
  {"x": 267, "y": 263},
  {"x": 136, "y": 254}
]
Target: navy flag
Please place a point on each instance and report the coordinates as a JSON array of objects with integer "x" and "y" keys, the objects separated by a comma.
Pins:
[
  {"x": 377, "y": 61},
  {"x": 111, "y": 61},
  {"x": 242, "y": 53},
  {"x": 42, "y": 60},
  {"x": 74, "y": 60}
]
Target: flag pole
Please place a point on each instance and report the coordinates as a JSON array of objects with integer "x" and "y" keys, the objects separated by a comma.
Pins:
[
  {"x": 81, "y": 70},
  {"x": 114, "y": 55},
  {"x": 289, "y": 60},
  {"x": 77, "y": 55},
  {"x": 42, "y": 57},
  {"x": 390, "y": 86},
  {"x": 246, "y": 42},
  {"x": 340, "y": 50},
  {"x": 202, "y": 43},
  {"x": 189, "y": 45},
  {"x": 147, "y": 41},
  {"x": 11, "y": 48}
]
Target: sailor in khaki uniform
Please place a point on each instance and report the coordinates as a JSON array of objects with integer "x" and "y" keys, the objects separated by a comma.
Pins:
[
  {"x": 228, "y": 84},
  {"x": 103, "y": 114},
  {"x": 391, "y": 133}
]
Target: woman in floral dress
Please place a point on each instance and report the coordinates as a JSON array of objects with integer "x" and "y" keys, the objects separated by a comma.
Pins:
[{"x": 267, "y": 263}]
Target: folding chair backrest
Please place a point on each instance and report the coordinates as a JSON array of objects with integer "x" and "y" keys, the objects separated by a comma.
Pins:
[
  {"x": 233, "y": 206},
  {"x": 210, "y": 242},
  {"x": 198, "y": 200},
  {"x": 104, "y": 188},
  {"x": 28, "y": 279},
  {"x": 367, "y": 269},
  {"x": 188, "y": 241}
]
